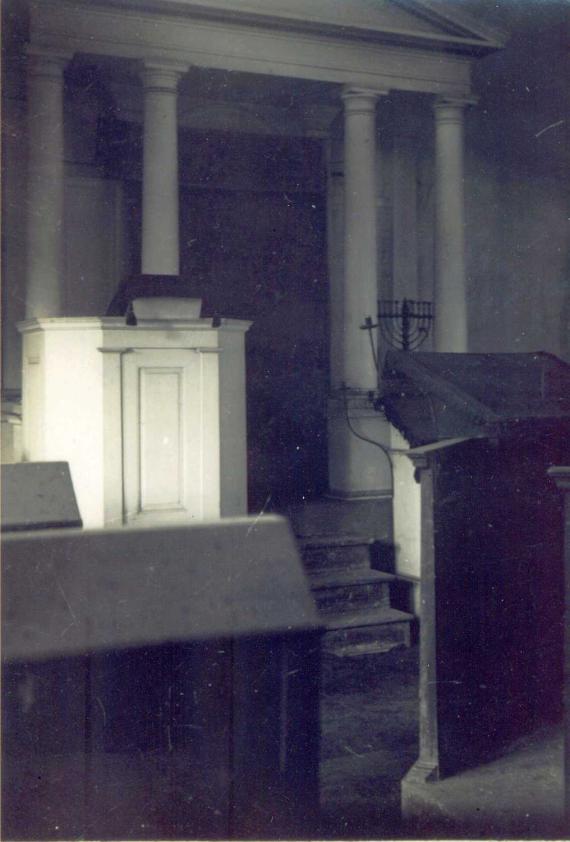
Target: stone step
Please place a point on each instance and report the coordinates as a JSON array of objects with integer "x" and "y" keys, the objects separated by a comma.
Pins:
[
  {"x": 326, "y": 516},
  {"x": 350, "y": 590},
  {"x": 335, "y": 552},
  {"x": 366, "y": 632},
  {"x": 352, "y": 598}
]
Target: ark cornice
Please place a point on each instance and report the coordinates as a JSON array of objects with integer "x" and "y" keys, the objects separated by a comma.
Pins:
[{"x": 420, "y": 23}]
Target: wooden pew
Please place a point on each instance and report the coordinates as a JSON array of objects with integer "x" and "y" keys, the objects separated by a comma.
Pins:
[
  {"x": 38, "y": 495},
  {"x": 159, "y": 684}
]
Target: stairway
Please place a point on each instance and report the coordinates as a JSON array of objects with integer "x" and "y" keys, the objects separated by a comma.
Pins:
[{"x": 352, "y": 598}]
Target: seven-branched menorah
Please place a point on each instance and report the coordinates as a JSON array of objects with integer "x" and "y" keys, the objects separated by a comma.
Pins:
[{"x": 404, "y": 325}]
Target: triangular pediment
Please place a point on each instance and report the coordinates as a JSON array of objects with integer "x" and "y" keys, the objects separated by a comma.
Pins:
[
  {"x": 447, "y": 17},
  {"x": 435, "y": 23}
]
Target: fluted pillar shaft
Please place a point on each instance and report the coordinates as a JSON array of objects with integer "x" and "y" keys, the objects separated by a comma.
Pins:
[
  {"x": 160, "y": 234},
  {"x": 45, "y": 184},
  {"x": 450, "y": 277},
  {"x": 360, "y": 291}
]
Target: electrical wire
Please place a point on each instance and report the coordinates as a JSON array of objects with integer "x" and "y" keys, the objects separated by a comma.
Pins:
[{"x": 385, "y": 450}]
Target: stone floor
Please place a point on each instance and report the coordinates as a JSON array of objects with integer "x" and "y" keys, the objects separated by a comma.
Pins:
[{"x": 369, "y": 740}]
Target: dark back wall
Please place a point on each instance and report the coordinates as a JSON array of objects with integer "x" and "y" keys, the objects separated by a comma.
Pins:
[
  {"x": 253, "y": 246},
  {"x": 260, "y": 256}
]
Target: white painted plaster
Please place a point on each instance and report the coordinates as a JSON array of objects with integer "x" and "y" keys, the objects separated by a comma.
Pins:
[{"x": 407, "y": 509}]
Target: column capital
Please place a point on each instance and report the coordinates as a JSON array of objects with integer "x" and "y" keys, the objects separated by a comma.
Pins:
[
  {"x": 47, "y": 62},
  {"x": 449, "y": 108},
  {"x": 360, "y": 100},
  {"x": 162, "y": 75}
]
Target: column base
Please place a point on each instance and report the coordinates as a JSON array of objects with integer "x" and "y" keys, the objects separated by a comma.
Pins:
[
  {"x": 422, "y": 772},
  {"x": 358, "y": 468},
  {"x": 498, "y": 799},
  {"x": 415, "y": 794},
  {"x": 335, "y": 494}
]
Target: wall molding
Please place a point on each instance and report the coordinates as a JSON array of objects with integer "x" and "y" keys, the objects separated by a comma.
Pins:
[{"x": 232, "y": 45}]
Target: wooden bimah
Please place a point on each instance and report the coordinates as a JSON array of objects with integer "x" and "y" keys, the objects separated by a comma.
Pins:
[
  {"x": 159, "y": 684},
  {"x": 483, "y": 430},
  {"x": 561, "y": 476}
]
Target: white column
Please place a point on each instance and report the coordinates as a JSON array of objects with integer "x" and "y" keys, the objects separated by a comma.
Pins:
[
  {"x": 357, "y": 468},
  {"x": 160, "y": 237},
  {"x": 450, "y": 282},
  {"x": 335, "y": 256},
  {"x": 45, "y": 184},
  {"x": 360, "y": 293}
]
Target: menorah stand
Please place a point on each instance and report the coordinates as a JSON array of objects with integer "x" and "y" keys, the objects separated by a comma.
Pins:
[{"x": 404, "y": 325}]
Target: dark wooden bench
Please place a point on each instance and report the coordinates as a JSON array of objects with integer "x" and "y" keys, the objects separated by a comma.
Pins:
[{"x": 159, "y": 684}]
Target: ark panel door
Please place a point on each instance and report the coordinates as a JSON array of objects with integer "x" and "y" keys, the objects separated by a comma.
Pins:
[{"x": 170, "y": 412}]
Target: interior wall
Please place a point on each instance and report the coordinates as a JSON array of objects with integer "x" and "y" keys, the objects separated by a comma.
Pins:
[
  {"x": 13, "y": 127},
  {"x": 518, "y": 183},
  {"x": 411, "y": 185},
  {"x": 93, "y": 249},
  {"x": 253, "y": 247}
]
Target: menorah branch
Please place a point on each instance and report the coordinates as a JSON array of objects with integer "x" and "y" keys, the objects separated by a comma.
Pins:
[{"x": 405, "y": 324}]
